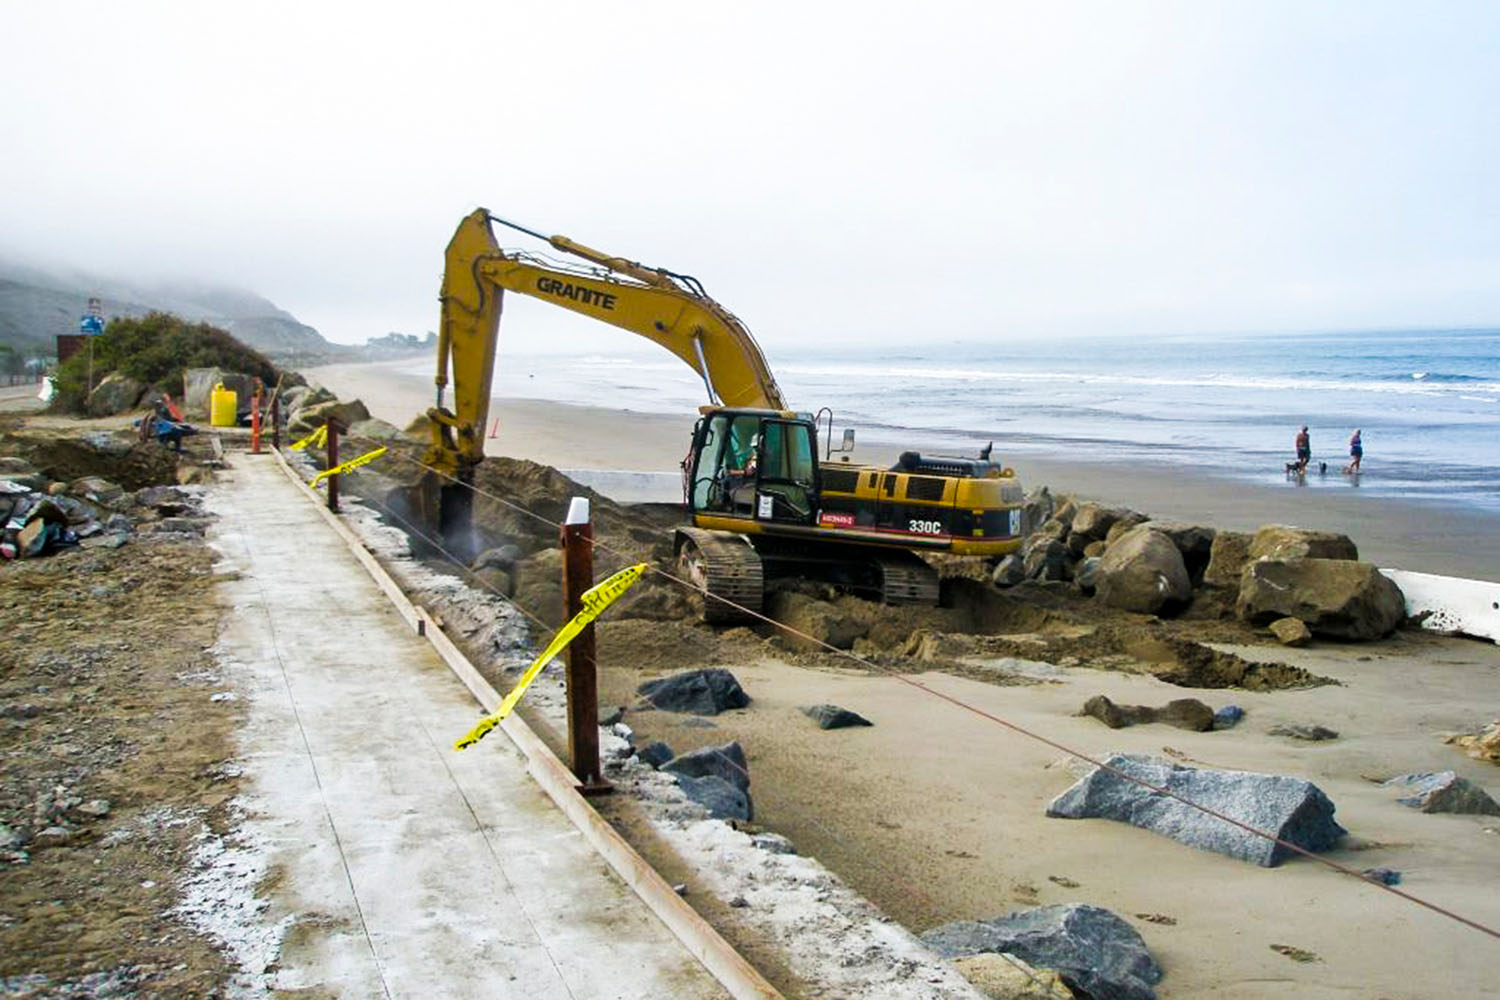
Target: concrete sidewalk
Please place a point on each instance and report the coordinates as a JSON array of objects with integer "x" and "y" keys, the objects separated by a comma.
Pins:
[{"x": 397, "y": 866}]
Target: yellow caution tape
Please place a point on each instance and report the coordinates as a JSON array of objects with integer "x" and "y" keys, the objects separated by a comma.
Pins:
[
  {"x": 349, "y": 466},
  {"x": 317, "y": 437},
  {"x": 595, "y": 600}
]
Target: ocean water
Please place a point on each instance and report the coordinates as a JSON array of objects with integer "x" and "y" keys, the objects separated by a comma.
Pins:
[{"x": 1427, "y": 402}]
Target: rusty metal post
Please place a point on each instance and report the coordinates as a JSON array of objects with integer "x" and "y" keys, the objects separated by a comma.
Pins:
[
  {"x": 582, "y": 679},
  {"x": 255, "y": 420},
  {"x": 333, "y": 461}
]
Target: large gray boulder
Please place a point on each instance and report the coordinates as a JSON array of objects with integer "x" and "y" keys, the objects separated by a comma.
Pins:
[
  {"x": 727, "y": 761},
  {"x": 309, "y": 417},
  {"x": 197, "y": 389},
  {"x": 1226, "y": 559},
  {"x": 1194, "y": 541},
  {"x": 1047, "y": 558},
  {"x": 1143, "y": 571},
  {"x": 1443, "y": 791},
  {"x": 1291, "y": 809},
  {"x": 302, "y": 396},
  {"x": 719, "y": 797},
  {"x": 1009, "y": 571},
  {"x": 198, "y": 386},
  {"x": 1093, "y": 950},
  {"x": 116, "y": 394},
  {"x": 1282, "y": 541},
  {"x": 1128, "y": 519},
  {"x": 1094, "y": 520},
  {"x": 1040, "y": 507},
  {"x": 1077, "y": 543},
  {"x": 1337, "y": 598},
  {"x": 1051, "y": 528},
  {"x": 701, "y": 692},
  {"x": 1086, "y": 573},
  {"x": 834, "y": 717}
]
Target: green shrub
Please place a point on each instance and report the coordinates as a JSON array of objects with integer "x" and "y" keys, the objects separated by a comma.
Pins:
[{"x": 155, "y": 350}]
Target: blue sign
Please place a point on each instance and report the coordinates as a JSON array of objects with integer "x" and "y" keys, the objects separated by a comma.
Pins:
[{"x": 91, "y": 325}]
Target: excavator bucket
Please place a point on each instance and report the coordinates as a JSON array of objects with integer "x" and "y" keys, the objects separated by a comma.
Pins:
[{"x": 444, "y": 510}]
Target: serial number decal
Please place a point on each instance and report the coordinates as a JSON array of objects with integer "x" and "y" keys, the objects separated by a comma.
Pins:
[
  {"x": 837, "y": 519},
  {"x": 578, "y": 293},
  {"x": 925, "y": 527}
]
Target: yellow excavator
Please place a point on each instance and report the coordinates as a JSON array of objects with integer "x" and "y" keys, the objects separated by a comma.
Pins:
[{"x": 761, "y": 504}]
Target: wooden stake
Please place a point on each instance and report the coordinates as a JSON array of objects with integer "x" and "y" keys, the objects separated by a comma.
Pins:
[{"x": 582, "y": 673}]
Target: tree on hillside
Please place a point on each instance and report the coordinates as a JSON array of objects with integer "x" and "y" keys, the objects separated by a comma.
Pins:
[{"x": 155, "y": 350}]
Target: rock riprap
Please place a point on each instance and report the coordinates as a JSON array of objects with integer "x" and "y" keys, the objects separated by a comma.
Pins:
[
  {"x": 834, "y": 717},
  {"x": 701, "y": 692},
  {"x": 1443, "y": 792},
  {"x": 727, "y": 762},
  {"x": 1290, "y": 809},
  {"x": 1095, "y": 951},
  {"x": 717, "y": 778},
  {"x": 1284, "y": 541},
  {"x": 1143, "y": 571},
  {"x": 719, "y": 797},
  {"x": 1337, "y": 598}
]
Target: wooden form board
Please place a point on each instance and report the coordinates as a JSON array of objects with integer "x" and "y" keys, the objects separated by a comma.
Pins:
[{"x": 726, "y": 965}]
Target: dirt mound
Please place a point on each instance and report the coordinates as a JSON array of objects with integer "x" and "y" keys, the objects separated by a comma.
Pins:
[
  {"x": 525, "y": 501},
  {"x": 117, "y": 457},
  {"x": 653, "y": 646}
]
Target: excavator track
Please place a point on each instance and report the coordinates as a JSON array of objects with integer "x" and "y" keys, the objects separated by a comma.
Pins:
[
  {"x": 906, "y": 579},
  {"x": 725, "y": 566}
]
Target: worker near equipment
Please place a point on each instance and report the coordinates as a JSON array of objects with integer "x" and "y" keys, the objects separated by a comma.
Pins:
[
  {"x": 1304, "y": 449},
  {"x": 1356, "y": 453}
]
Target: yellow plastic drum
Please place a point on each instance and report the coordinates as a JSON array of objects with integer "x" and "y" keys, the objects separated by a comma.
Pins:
[{"x": 223, "y": 406}]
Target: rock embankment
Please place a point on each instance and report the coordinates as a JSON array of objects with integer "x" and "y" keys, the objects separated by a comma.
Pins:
[{"x": 1279, "y": 574}]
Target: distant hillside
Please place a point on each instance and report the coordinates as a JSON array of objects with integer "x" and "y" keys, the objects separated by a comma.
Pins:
[{"x": 37, "y": 305}]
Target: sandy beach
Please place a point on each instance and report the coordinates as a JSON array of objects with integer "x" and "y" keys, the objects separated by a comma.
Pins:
[
  {"x": 1391, "y": 533},
  {"x": 937, "y": 814}
]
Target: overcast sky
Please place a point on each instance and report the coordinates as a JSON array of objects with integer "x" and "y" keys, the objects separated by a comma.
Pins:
[{"x": 852, "y": 172}]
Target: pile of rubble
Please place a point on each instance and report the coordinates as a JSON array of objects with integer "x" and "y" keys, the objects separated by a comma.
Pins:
[
  {"x": 1299, "y": 582},
  {"x": 41, "y": 516}
]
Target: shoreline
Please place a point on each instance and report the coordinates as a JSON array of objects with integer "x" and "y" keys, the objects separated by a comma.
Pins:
[{"x": 1408, "y": 534}]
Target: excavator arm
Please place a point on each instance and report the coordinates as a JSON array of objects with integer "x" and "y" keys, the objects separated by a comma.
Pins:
[{"x": 666, "y": 308}]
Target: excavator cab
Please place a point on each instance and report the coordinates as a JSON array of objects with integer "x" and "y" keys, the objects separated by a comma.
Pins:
[{"x": 754, "y": 465}]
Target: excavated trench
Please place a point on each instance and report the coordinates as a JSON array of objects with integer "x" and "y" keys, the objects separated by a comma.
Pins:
[{"x": 131, "y": 465}]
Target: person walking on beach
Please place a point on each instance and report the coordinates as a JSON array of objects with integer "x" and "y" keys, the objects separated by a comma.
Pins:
[
  {"x": 1304, "y": 449},
  {"x": 1356, "y": 453}
]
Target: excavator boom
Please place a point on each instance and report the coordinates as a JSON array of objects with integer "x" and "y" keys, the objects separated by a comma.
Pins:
[{"x": 665, "y": 308}]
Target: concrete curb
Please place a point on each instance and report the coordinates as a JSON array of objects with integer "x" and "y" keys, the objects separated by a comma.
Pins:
[{"x": 726, "y": 965}]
